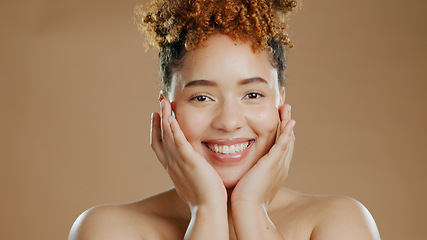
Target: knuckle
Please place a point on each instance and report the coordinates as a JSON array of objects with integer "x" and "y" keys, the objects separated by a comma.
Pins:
[
  {"x": 179, "y": 145},
  {"x": 154, "y": 146},
  {"x": 283, "y": 145}
]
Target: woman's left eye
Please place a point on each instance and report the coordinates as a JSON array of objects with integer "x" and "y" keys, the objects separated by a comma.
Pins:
[{"x": 254, "y": 95}]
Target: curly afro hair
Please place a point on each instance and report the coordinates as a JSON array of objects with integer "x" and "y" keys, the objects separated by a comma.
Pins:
[
  {"x": 177, "y": 26},
  {"x": 165, "y": 21}
]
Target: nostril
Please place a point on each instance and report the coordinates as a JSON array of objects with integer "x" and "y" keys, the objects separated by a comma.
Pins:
[{"x": 228, "y": 120}]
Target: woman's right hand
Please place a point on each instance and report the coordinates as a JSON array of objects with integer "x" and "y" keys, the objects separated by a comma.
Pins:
[{"x": 195, "y": 180}]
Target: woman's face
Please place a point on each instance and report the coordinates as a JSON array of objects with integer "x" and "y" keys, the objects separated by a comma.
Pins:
[{"x": 226, "y": 99}]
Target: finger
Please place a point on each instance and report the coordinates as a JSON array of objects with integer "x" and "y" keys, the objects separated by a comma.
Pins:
[
  {"x": 282, "y": 119},
  {"x": 289, "y": 152},
  {"x": 156, "y": 138},
  {"x": 285, "y": 115},
  {"x": 166, "y": 134},
  {"x": 281, "y": 155},
  {"x": 168, "y": 139},
  {"x": 285, "y": 112},
  {"x": 290, "y": 142},
  {"x": 182, "y": 145},
  {"x": 278, "y": 149},
  {"x": 287, "y": 156},
  {"x": 278, "y": 152}
]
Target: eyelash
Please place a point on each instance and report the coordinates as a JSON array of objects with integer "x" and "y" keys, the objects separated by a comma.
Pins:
[
  {"x": 258, "y": 95},
  {"x": 204, "y": 98},
  {"x": 197, "y": 98}
]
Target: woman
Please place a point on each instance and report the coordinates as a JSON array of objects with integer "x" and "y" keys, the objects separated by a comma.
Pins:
[{"x": 224, "y": 135}]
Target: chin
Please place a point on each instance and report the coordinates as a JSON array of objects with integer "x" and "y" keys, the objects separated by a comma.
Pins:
[
  {"x": 230, "y": 180},
  {"x": 231, "y": 175},
  {"x": 230, "y": 184}
]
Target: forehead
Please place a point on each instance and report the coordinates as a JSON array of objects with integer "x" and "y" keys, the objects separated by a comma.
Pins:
[{"x": 221, "y": 60}]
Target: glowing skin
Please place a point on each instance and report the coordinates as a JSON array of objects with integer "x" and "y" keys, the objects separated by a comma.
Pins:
[
  {"x": 225, "y": 98},
  {"x": 226, "y": 102}
]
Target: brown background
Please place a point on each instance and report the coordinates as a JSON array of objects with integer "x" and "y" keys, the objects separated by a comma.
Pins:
[{"x": 77, "y": 90}]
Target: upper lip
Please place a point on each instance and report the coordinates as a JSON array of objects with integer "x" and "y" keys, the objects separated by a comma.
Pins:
[{"x": 229, "y": 141}]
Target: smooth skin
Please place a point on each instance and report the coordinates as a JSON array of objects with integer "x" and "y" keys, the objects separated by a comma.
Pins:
[{"x": 226, "y": 94}]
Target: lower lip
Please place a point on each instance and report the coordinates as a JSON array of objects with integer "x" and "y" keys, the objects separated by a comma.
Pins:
[{"x": 228, "y": 158}]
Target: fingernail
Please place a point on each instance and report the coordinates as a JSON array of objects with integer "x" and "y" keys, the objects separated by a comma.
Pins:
[
  {"x": 293, "y": 124},
  {"x": 152, "y": 116},
  {"x": 169, "y": 119},
  {"x": 289, "y": 108}
]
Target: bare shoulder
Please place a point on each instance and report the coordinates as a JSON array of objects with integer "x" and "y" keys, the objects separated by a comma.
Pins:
[
  {"x": 137, "y": 220},
  {"x": 342, "y": 217},
  {"x": 104, "y": 222},
  {"x": 304, "y": 216}
]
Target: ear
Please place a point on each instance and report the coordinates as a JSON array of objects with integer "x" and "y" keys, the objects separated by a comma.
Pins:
[{"x": 161, "y": 95}]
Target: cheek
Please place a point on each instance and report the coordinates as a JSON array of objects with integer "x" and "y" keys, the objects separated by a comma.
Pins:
[
  {"x": 192, "y": 123},
  {"x": 264, "y": 121}
]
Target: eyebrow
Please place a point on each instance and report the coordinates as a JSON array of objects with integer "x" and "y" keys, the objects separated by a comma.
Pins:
[
  {"x": 209, "y": 83},
  {"x": 201, "y": 82},
  {"x": 253, "y": 80}
]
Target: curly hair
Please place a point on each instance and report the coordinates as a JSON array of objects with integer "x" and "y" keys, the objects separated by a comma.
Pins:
[{"x": 178, "y": 26}]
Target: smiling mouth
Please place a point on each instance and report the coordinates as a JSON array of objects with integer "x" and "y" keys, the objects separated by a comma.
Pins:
[{"x": 228, "y": 149}]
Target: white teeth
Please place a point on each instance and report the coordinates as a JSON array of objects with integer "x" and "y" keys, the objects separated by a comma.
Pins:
[
  {"x": 232, "y": 149},
  {"x": 226, "y": 149}
]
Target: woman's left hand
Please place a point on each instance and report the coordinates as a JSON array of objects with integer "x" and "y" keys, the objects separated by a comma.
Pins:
[
  {"x": 255, "y": 190},
  {"x": 261, "y": 183}
]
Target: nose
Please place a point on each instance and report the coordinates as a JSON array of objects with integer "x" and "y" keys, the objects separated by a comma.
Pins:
[{"x": 229, "y": 117}]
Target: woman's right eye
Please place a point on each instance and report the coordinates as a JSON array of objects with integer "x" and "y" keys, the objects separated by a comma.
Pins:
[{"x": 200, "y": 98}]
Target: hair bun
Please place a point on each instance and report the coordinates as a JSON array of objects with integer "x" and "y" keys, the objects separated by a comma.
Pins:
[{"x": 166, "y": 21}]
